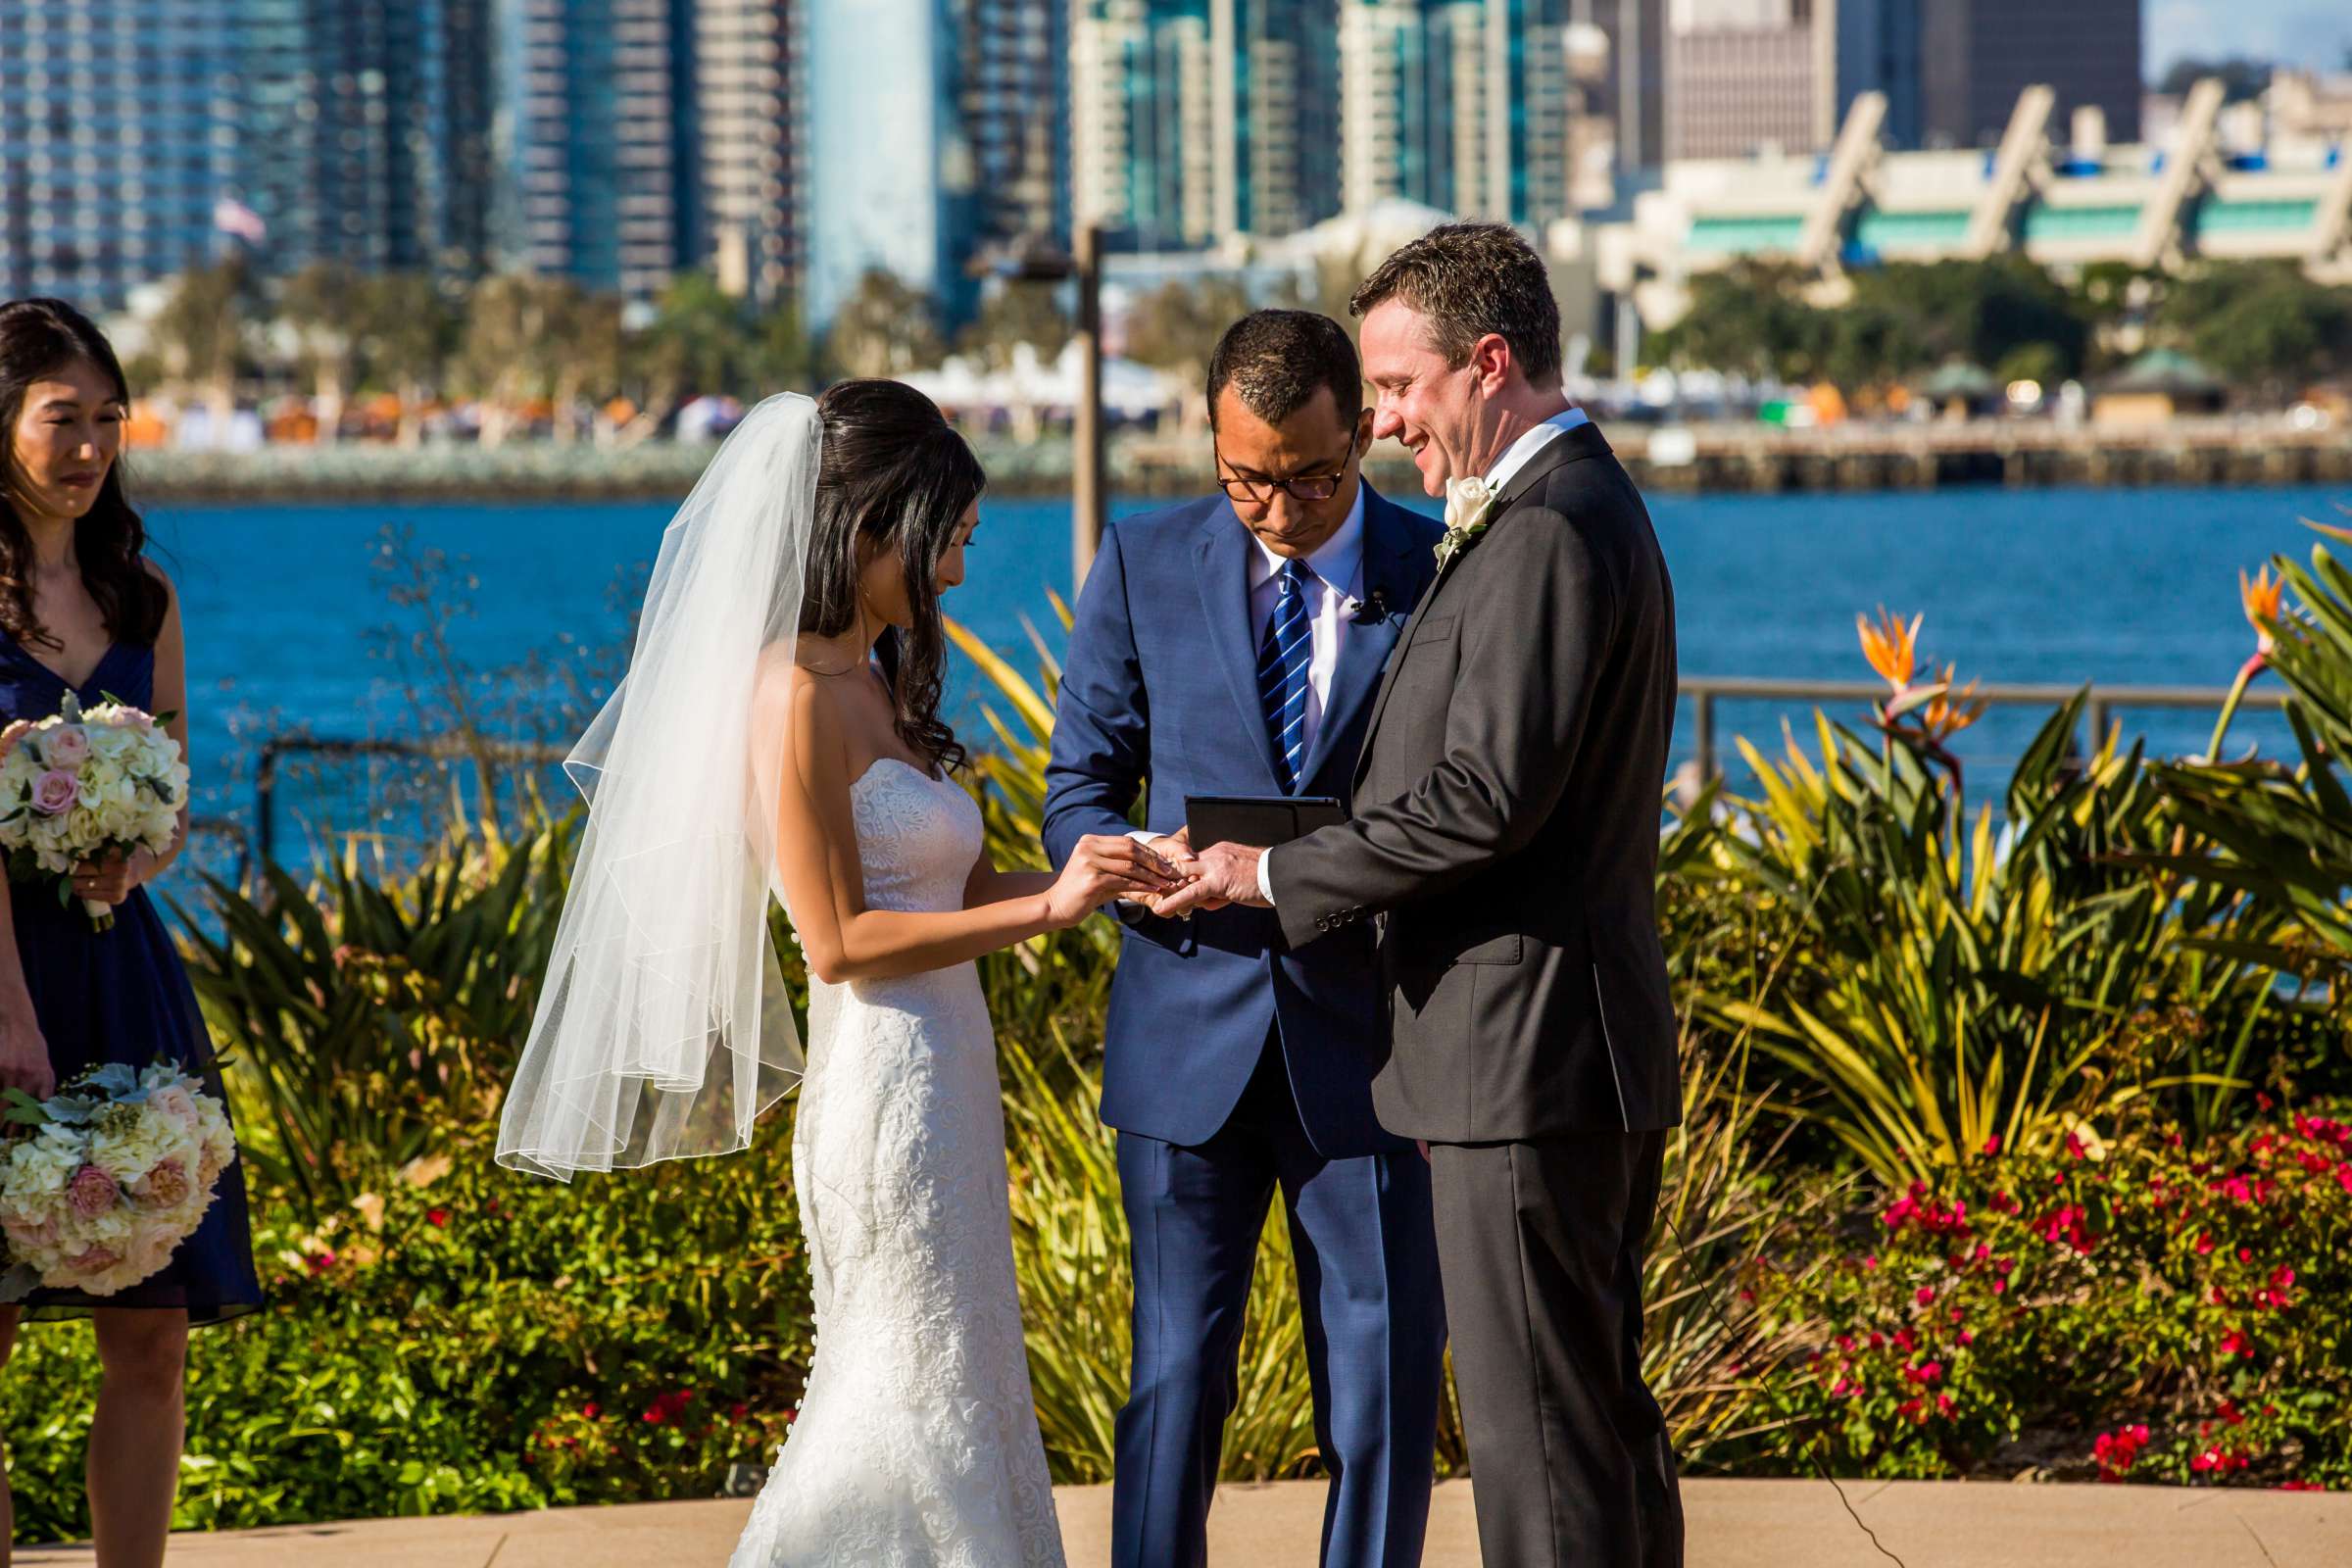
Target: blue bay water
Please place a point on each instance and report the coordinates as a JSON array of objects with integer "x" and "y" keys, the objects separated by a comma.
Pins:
[{"x": 2028, "y": 585}]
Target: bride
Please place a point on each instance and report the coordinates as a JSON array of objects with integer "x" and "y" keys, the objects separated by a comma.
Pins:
[{"x": 779, "y": 732}]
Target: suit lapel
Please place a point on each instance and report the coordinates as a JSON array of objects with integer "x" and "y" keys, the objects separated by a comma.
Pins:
[
  {"x": 1364, "y": 648},
  {"x": 1222, "y": 558},
  {"x": 1583, "y": 441}
]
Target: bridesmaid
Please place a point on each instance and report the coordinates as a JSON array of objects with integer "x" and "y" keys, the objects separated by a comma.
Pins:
[{"x": 83, "y": 610}]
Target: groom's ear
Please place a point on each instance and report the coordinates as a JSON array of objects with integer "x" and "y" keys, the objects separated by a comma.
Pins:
[{"x": 1363, "y": 430}]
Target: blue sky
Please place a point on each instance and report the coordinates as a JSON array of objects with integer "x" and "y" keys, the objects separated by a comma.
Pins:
[{"x": 2303, "y": 32}]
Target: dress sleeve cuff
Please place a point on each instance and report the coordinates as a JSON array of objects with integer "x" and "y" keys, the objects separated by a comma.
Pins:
[{"x": 1265, "y": 877}]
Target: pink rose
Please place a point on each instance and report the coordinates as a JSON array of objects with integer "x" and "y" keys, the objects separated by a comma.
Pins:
[
  {"x": 54, "y": 793},
  {"x": 175, "y": 1102},
  {"x": 65, "y": 747},
  {"x": 92, "y": 1191},
  {"x": 166, "y": 1183},
  {"x": 28, "y": 1236},
  {"x": 208, "y": 1170},
  {"x": 91, "y": 1259}
]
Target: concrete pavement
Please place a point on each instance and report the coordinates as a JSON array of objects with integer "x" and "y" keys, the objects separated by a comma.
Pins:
[{"x": 1734, "y": 1524}]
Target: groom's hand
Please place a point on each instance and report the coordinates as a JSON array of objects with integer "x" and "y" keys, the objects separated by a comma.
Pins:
[{"x": 1227, "y": 874}]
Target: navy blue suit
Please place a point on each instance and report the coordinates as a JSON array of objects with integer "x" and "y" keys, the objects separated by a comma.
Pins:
[{"x": 1236, "y": 1067}]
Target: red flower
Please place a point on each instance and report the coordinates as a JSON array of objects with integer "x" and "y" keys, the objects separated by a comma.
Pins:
[
  {"x": 1926, "y": 1294},
  {"x": 2230, "y": 1412},
  {"x": 1993, "y": 1145},
  {"x": 436, "y": 1217},
  {"x": 2235, "y": 1343},
  {"x": 2117, "y": 1451},
  {"x": 2302, "y": 1486}
]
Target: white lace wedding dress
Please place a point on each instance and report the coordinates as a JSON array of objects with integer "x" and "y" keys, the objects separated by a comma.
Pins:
[{"x": 916, "y": 1441}]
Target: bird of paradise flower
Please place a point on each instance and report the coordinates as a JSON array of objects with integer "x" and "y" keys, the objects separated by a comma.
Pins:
[{"x": 1926, "y": 714}]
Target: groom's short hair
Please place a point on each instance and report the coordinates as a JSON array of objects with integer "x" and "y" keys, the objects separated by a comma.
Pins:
[
  {"x": 1470, "y": 279},
  {"x": 1277, "y": 360}
]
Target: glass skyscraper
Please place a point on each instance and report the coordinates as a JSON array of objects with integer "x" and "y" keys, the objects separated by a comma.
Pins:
[
  {"x": 116, "y": 139},
  {"x": 351, "y": 130},
  {"x": 600, "y": 179},
  {"x": 935, "y": 126}
]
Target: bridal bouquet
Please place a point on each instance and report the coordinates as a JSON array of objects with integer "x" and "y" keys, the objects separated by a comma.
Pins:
[
  {"x": 83, "y": 785},
  {"x": 113, "y": 1172}
]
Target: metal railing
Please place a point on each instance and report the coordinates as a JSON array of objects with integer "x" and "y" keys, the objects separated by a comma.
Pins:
[
  {"x": 450, "y": 749},
  {"x": 1703, "y": 692}
]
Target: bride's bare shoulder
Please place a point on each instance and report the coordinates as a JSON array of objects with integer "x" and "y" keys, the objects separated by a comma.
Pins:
[{"x": 794, "y": 709}]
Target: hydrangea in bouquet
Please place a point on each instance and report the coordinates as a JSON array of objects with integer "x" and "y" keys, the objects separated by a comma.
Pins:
[
  {"x": 84, "y": 785},
  {"x": 104, "y": 1180}
]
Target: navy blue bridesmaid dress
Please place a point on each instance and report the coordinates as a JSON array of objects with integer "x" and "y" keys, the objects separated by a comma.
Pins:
[{"x": 123, "y": 995}]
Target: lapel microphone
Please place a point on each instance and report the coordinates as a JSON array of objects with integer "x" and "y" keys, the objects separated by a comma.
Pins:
[{"x": 1370, "y": 609}]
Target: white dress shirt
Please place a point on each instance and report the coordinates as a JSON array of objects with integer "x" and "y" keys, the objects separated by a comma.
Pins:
[
  {"x": 1332, "y": 572},
  {"x": 1514, "y": 457},
  {"x": 1333, "y": 569}
]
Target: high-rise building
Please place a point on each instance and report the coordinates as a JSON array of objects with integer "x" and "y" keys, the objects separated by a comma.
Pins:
[
  {"x": 934, "y": 129},
  {"x": 1141, "y": 142},
  {"x": 1190, "y": 119},
  {"x": 1631, "y": 96},
  {"x": 1878, "y": 49},
  {"x": 116, "y": 142},
  {"x": 600, "y": 184},
  {"x": 1977, "y": 56},
  {"x": 1744, "y": 75},
  {"x": 748, "y": 142},
  {"x": 363, "y": 128}
]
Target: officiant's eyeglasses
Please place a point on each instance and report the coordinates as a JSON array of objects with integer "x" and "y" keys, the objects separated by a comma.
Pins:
[{"x": 1298, "y": 486}]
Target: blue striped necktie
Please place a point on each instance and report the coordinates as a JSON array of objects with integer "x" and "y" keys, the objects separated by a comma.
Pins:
[{"x": 1281, "y": 660}]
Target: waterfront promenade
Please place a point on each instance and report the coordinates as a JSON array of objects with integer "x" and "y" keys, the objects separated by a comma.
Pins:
[
  {"x": 1733, "y": 1524},
  {"x": 1744, "y": 457}
]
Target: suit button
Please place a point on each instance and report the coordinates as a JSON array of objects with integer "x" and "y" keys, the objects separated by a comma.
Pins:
[{"x": 1322, "y": 922}]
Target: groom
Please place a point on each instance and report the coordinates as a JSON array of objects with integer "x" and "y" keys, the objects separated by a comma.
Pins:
[
  {"x": 1504, "y": 845},
  {"x": 1231, "y": 646}
]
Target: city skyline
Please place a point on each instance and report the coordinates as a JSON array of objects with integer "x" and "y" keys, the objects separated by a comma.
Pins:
[{"x": 788, "y": 147}]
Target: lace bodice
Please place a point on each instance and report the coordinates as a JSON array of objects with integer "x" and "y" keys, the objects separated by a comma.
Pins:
[{"x": 917, "y": 837}]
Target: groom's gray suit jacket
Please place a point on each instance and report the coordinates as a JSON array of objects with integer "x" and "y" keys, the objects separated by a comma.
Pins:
[{"x": 1506, "y": 831}]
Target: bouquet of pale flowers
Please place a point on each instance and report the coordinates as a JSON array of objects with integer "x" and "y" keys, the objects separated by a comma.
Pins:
[
  {"x": 83, "y": 785},
  {"x": 106, "y": 1177}
]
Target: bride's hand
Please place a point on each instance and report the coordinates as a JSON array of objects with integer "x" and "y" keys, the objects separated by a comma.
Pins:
[{"x": 1103, "y": 868}]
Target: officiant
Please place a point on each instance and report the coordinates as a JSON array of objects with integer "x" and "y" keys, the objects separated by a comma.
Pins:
[{"x": 1232, "y": 645}]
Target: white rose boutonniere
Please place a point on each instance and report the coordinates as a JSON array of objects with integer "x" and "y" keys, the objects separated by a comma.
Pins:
[{"x": 1467, "y": 504}]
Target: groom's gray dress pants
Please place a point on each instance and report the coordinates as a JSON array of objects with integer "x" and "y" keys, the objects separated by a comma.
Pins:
[{"x": 1539, "y": 1246}]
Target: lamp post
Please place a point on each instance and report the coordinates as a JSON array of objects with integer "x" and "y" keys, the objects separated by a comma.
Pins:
[{"x": 1036, "y": 259}]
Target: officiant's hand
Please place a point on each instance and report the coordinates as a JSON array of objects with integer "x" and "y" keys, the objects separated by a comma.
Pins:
[
  {"x": 1227, "y": 874},
  {"x": 1175, "y": 849}
]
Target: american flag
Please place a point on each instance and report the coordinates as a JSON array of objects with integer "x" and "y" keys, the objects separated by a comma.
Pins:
[{"x": 233, "y": 217}]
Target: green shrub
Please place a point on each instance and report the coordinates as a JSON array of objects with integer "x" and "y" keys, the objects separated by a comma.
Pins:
[
  {"x": 2020, "y": 1309},
  {"x": 461, "y": 1338}
]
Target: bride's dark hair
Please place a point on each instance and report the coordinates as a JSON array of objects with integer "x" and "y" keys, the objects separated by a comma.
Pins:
[{"x": 893, "y": 473}]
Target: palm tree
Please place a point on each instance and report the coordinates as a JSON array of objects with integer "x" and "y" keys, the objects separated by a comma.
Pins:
[
  {"x": 200, "y": 332},
  {"x": 885, "y": 328},
  {"x": 404, "y": 326},
  {"x": 508, "y": 330},
  {"x": 697, "y": 342},
  {"x": 320, "y": 306}
]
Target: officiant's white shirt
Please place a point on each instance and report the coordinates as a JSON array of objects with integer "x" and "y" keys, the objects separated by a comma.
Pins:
[
  {"x": 1335, "y": 566},
  {"x": 1515, "y": 458}
]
